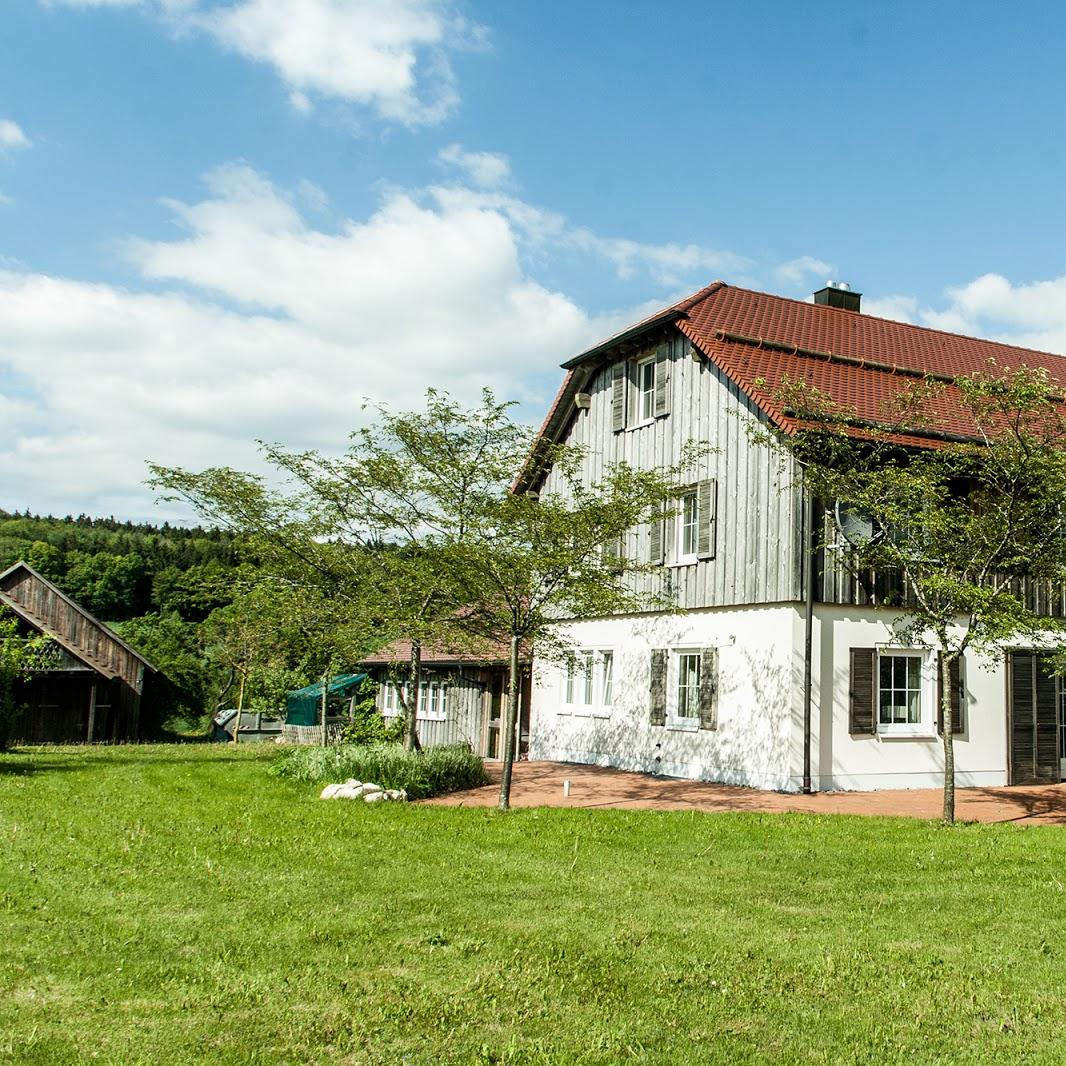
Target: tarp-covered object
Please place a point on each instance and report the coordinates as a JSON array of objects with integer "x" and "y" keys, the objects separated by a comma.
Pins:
[{"x": 303, "y": 706}]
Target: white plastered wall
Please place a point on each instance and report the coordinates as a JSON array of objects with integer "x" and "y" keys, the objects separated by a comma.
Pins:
[
  {"x": 841, "y": 761},
  {"x": 755, "y": 742}
]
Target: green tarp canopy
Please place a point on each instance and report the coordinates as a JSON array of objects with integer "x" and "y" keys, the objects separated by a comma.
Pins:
[{"x": 303, "y": 706}]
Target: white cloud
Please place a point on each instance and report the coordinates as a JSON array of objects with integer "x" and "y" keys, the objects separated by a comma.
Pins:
[
  {"x": 488, "y": 170},
  {"x": 12, "y": 136},
  {"x": 391, "y": 56},
  {"x": 1031, "y": 314},
  {"x": 259, "y": 324},
  {"x": 797, "y": 271},
  {"x": 292, "y": 329}
]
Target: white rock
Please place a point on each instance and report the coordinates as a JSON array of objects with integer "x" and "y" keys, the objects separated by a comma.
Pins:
[
  {"x": 396, "y": 794},
  {"x": 375, "y": 797},
  {"x": 330, "y": 792},
  {"x": 368, "y": 788},
  {"x": 345, "y": 793},
  {"x": 352, "y": 783}
]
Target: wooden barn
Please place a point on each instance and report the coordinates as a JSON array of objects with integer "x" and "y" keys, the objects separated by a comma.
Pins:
[{"x": 93, "y": 687}]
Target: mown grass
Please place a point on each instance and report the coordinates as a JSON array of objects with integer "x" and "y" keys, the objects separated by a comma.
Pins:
[
  {"x": 420, "y": 774},
  {"x": 180, "y": 904}
]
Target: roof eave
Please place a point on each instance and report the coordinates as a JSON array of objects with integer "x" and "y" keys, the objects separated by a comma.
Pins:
[{"x": 671, "y": 314}]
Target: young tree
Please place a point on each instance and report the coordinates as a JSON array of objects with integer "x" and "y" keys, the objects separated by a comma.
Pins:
[
  {"x": 370, "y": 533},
  {"x": 539, "y": 559},
  {"x": 966, "y": 522}
]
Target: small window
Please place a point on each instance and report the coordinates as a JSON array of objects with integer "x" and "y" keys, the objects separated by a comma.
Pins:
[
  {"x": 904, "y": 692},
  {"x": 687, "y": 706},
  {"x": 390, "y": 700},
  {"x": 688, "y": 524},
  {"x": 646, "y": 390},
  {"x": 588, "y": 684},
  {"x": 433, "y": 702},
  {"x": 607, "y": 673},
  {"x": 586, "y": 671}
]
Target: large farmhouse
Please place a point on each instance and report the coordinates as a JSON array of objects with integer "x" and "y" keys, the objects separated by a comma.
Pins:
[{"x": 716, "y": 690}]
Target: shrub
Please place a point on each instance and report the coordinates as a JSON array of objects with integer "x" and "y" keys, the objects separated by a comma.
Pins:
[
  {"x": 422, "y": 774},
  {"x": 367, "y": 725}
]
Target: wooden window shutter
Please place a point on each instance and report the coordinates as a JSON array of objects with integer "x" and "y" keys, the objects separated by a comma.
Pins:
[
  {"x": 958, "y": 700},
  {"x": 618, "y": 397},
  {"x": 656, "y": 539},
  {"x": 862, "y": 692},
  {"x": 709, "y": 688},
  {"x": 707, "y": 517},
  {"x": 662, "y": 382},
  {"x": 613, "y": 554},
  {"x": 657, "y": 694}
]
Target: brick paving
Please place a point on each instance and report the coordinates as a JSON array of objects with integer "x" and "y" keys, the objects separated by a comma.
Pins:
[{"x": 540, "y": 784}]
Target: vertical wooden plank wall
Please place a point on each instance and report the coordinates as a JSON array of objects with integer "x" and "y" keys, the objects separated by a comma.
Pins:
[{"x": 758, "y": 558}]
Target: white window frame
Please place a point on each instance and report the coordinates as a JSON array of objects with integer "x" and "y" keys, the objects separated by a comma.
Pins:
[
  {"x": 675, "y": 720},
  {"x": 390, "y": 702},
  {"x": 681, "y": 556},
  {"x": 433, "y": 701},
  {"x": 645, "y": 396},
  {"x": 583, "y": 683},
  {"x": 926, "y": 724}
]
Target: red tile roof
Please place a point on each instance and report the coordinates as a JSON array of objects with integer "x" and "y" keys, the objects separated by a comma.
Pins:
[{"x": 860, "y": 362}]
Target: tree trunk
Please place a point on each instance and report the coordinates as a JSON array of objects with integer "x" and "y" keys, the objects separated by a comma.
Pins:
[
  {"x": 240, "y": 711},
  {"x": 949, "y": 737},
  {"x": 509, "y": 728},
  {"x": 414, "y": 696},
  {"x": 325, "y": 701}
]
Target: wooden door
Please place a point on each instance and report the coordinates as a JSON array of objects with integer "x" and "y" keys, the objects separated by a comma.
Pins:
[{"x": 1034, "y": 719}]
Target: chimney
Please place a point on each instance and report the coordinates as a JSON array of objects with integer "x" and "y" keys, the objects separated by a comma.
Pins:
[{"x": 838, "y": 294}]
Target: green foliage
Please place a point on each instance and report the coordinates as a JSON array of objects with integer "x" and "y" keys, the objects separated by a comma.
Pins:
[
  {"x": 432, "y": 772},
  {"x": 192, "y": 684},
  {"x": 367, "y": 725},
  {"x": 163, "y": 919}
]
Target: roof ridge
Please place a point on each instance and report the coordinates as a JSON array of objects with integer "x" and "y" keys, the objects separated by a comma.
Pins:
[{"x": 891, "y": 321}]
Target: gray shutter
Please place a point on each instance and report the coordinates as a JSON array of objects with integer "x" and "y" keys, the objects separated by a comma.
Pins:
[
  {"x": 657, "y": 694},
  {"x": 709, "y": 688},
  {"x": 958, "y": 702},
  {"x": 1047, "y": 722},
  {"x": 655, "y": 540},
  {"x": 613, "y": 557},
  {"x": 707, "y": 517},
  {"x": 662, "y": 382},
  {"x": 618, "y": 397},
  {"x": 862, "y": 692}
]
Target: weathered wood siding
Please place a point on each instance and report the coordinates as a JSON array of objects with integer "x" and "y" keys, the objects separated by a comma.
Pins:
[
  {"x": 87, "y": 638},
  {"x": 758, "y": 556},
  {"x": 840, "y": 583},
  {"x": 120, "y": 674},
  {"x": 464, "y": 721}
]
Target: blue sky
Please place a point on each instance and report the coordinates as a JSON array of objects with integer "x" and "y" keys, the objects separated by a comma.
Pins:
[{"x": 230, "y": 219}]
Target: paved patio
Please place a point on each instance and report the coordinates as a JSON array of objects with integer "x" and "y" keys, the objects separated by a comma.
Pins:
[{"x": 540, "y": 784}]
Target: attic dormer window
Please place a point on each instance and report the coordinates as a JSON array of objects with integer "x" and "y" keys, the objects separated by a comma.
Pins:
[{"x": 640, "y": 389}]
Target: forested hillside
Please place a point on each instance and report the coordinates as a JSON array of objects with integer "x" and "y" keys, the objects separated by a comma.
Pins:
[{"x": 174, "y": 593}]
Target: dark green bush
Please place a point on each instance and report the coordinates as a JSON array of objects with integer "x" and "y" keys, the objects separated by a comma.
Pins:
[{"x": 432, "y": 772}]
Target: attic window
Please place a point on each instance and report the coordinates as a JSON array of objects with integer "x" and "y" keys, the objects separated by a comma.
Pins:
[{"x": 646, "y": 390}]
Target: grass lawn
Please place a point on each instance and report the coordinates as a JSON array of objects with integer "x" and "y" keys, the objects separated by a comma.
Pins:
[{"x": 180, "y": 905}]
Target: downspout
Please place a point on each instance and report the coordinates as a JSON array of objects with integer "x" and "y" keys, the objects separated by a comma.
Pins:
[{"x": 808, "y": 638}]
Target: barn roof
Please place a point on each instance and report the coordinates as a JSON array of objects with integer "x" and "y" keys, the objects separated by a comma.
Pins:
[
  {"x": 859, "y": 361},
  {"x": 30, "y": 617}
]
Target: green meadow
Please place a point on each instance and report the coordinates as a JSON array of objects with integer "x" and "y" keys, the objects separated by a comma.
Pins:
[{"x": 180, "y": 904}]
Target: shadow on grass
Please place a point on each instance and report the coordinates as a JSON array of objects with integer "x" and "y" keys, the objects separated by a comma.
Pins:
[{"x": 27, "y": 760}]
